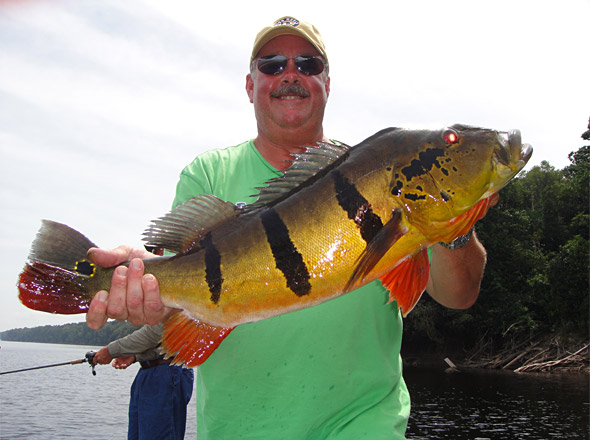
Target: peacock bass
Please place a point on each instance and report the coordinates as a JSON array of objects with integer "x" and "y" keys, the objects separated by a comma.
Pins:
[{"x": 338, "y": 218}]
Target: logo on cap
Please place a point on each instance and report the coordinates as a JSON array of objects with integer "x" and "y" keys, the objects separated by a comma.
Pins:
[{"x": 287, "y": 21}]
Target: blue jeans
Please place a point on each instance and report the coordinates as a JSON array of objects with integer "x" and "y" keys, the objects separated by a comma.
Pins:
[{"x": 157, "y": 408}]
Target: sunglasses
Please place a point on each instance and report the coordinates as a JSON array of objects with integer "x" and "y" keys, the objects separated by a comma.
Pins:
[{"x": 275, "y": 64}]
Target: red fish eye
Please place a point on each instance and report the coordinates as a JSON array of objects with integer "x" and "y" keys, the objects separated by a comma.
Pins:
[{"x": 450, "y": 137}]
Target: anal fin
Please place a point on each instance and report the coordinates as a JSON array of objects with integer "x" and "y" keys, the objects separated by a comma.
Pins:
[
  {"x": 407, "y": 281},
  {"x": 190, "y": 340}
]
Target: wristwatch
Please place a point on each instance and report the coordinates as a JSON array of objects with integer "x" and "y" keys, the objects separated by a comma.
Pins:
[{"x": 458, "y": 242}]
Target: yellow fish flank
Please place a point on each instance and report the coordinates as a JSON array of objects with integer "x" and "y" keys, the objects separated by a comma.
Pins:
[{"x": 340, "y": 217}]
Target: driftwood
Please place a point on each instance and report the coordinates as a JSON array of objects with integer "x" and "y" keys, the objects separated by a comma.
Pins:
[
  {"x": 532, "y": 354},
  {"x": 574, "y": 358}
]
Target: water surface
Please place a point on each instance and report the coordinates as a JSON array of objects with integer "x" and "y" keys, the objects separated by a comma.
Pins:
[
  {"x": 482, "y": 404},
  {"x": 68, "y": 402},
  {"x": 65, "y": 402}
]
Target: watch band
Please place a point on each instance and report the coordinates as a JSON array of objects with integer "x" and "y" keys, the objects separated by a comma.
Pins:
[{"x": 458, "y": 242}]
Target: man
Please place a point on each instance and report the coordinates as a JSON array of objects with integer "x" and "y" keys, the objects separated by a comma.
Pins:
[
  {"x": 330, "y": 371},
  {"x": 160, "y": 392}
]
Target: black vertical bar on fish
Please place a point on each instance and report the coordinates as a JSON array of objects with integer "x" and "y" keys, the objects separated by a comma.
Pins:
[
  {"x": 287, "y": 258},
  {"x": 212, "y": 267},
  {"x": 356, "y": 206}
]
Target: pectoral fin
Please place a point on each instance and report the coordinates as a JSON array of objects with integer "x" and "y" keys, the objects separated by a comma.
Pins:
[
  {"x": 461, "y": 224},
  {"x": 189, "y": 340},
  {"x": 407, "y": 281},
  {"x": 377, "y": 248}
]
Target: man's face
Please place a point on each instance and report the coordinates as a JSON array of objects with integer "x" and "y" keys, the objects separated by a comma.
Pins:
[{"x": 279, "y": 109}]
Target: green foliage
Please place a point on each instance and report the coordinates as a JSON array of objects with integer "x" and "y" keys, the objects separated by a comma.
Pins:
[
  {"x": 537, "y": 275},
  {"x": 75, "y": 334}
]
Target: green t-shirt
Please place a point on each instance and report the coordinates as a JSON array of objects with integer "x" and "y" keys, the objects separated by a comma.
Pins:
[{"x": 332, "y": 371}]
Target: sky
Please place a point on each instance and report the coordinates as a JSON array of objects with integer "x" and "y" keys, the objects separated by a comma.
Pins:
[{"x": 103, "y": 102}]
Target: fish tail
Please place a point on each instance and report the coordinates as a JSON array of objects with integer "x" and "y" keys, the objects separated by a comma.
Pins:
[
  {"x": 52, "y": 289},
  {"x": 56, "y": 279}
]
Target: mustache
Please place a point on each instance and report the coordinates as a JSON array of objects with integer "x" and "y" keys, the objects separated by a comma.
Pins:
[{"x": 290, "y": 89}]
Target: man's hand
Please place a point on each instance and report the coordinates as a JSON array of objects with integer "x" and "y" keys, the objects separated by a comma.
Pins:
[
  {"x": 102, "y": 356},
  {"x": 455, "y": 275},
  {"x": 134, "y": 296},
  {"x": 123, "y": 362}
]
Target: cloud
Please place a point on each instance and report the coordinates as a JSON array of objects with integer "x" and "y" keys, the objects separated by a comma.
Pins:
[{"x": 103, "y": 102}]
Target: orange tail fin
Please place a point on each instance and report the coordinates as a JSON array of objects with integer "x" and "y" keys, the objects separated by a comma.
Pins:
[{"x": 189, "y": 340}]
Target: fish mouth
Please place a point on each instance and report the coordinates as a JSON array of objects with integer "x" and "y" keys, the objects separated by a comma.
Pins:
[{"x": 512, "y": 153}]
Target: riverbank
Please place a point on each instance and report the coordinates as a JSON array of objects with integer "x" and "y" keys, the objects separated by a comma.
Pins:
[{"x": 537, "y": 353}]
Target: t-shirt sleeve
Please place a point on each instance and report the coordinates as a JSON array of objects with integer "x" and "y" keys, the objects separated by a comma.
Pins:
[
  {"x": 143, "y": 343},
  {"x": 193, "y": 180}
]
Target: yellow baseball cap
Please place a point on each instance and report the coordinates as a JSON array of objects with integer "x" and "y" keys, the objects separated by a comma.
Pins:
[{"x": 289, "y": 26}]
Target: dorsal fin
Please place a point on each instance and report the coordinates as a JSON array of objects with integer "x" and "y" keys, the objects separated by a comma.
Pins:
[
  {"x": 181, "y": 229},
  {"x": 304, "y": 166}
]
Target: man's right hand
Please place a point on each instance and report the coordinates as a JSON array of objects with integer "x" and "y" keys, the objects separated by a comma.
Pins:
[
  {"x": 102, "y": 356},
  {"x": 134, "y": 296}
]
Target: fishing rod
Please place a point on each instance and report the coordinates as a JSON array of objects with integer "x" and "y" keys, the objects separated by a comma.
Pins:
[{"x": 88, "y": 358}]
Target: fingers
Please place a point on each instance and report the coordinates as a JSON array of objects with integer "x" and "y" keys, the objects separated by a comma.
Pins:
[
  {"x": 117, "y": 298},
  {"x": 123, "y": 362},
  {"x": 142, "y": 296},
  {"x": 134, "y": 296},
  {"x": 96, "y": 316},
  {"x": 125, "y": 299},
  {"x": 102, "y": 356},
  {"x": 113, "y": 257},
  {"x": 155, "y": 311},
  {"x": 494, "y": 199},
  {"x": 111, "y": 304},
  {"x": 109, "y": 257}
]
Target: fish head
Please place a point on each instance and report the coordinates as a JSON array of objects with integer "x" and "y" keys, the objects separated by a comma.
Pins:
[{"x": 454, "y": 168}]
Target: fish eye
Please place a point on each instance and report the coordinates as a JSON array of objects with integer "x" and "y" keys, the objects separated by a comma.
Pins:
[{"x": 450, "y": 136}]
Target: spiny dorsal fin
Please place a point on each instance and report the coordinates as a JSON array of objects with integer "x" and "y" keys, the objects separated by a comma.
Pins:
[
  {"x": 181, "y": 229},
  {"x": 304, "y": 166}
]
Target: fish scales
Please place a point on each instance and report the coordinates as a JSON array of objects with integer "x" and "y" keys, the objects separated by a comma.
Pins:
[
  {"x": 328, "y": 241},
  {"x": 339, "y": 218}
]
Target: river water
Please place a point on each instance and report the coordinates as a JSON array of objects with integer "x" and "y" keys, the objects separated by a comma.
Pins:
[
  {"x": 492, "y": 404},
  {"x": 69, "y": 402},
  {"x": 65, "y": 402}
]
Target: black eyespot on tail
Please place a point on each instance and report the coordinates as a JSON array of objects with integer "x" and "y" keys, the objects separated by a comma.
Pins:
[{"x": 85, "y": 267}]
